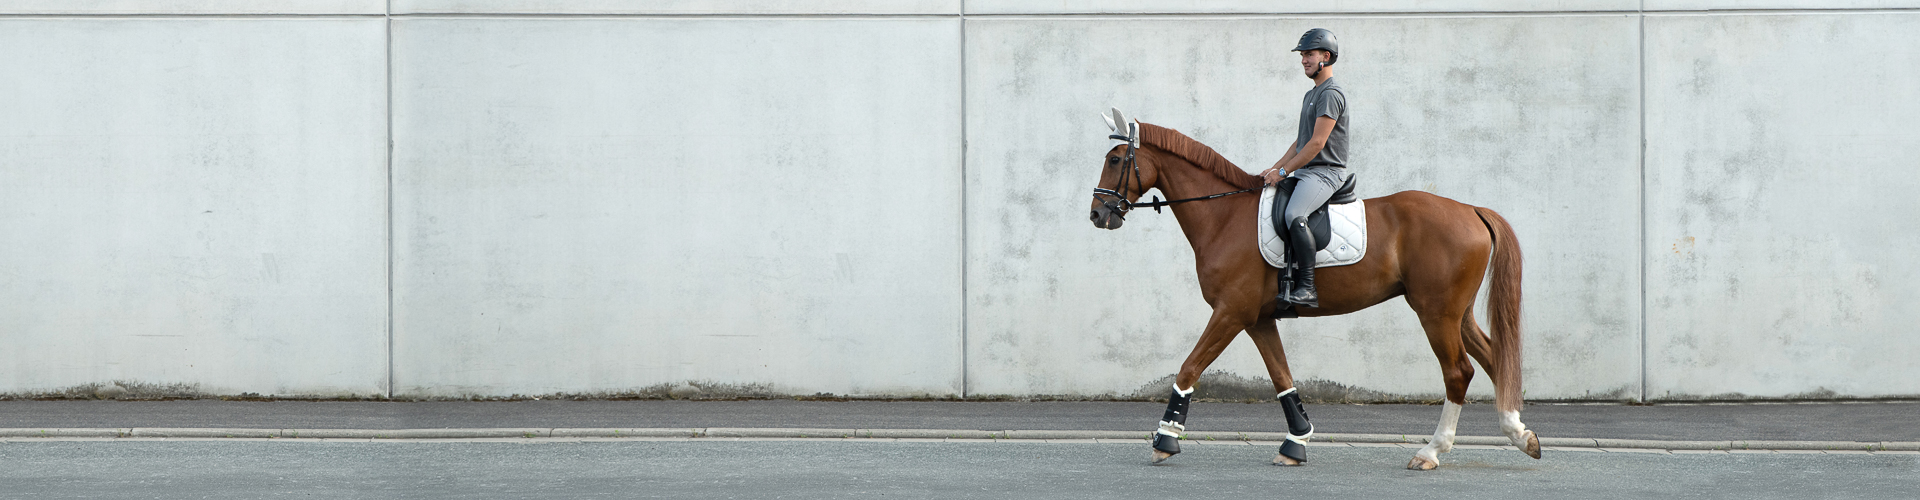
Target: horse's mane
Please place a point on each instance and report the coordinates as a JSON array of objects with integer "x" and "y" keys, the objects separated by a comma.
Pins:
[{"x": 1199, "y": 154}]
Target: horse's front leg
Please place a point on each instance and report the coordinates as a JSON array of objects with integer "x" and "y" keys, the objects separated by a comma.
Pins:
[
  {"x": 1293, "y": 451},
  {"x": 1220, "y": 331}
]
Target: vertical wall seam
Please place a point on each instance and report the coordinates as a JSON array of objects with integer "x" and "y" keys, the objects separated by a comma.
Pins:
[
  {"x": 389, "y": 56},
  {"x": 1643, "y": 202},
  {"x": 963, "y": 201}
]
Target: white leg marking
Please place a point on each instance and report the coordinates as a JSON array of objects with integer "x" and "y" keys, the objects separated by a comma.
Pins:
[
  {"x": 1516, "y": 431},
  {"x": 1442, "y": 435}
]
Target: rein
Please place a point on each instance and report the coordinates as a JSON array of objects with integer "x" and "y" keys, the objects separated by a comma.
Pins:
[{"x": 1119, "y": 204}]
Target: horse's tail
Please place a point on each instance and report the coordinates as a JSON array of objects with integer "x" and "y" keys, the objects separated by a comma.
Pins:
[{"x": 1503, "y": 309}]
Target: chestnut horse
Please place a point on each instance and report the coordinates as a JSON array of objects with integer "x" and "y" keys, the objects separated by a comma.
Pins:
[{"x": 1433, "y": 250}]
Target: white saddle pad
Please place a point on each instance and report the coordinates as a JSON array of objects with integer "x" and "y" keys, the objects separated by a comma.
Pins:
[{"x": 1349, "y": 240}]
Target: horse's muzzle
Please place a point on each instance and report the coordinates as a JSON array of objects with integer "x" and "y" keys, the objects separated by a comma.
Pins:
[{"x": 1105, "y": 218}]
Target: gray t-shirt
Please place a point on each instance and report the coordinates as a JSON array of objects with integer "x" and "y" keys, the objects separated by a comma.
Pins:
[{"x": 1328, "y": 100}]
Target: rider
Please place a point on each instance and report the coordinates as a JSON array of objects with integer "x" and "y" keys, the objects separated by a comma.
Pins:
[{"x": 1317, "y": 159}]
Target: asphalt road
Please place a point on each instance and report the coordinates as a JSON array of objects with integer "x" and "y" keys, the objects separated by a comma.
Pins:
[
  {"x": 854, "y": 469},
  {"x": 1865, "y": 421}
]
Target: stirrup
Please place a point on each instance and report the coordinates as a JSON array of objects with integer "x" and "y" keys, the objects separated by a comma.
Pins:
[{"x": 1303, "y": 297}]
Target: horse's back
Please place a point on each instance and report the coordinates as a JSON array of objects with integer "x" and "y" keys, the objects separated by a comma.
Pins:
[{"x": 1424, "y": 216}]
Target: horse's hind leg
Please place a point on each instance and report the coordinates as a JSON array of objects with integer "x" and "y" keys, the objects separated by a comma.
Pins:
[
  {"x": 1481, "y": 347},
  {"x": 1441, "y": 319},
  {"x": 1477, "y": 344},
  {"x": 1293, "y": 451}
]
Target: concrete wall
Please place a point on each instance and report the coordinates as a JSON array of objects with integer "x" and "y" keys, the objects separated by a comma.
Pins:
[
  {"x": 458, "y": 197},
  {"x": 194, "y": 201},
  {"x": 1780, "y": 211},
  {"x": 604, "y": 204}
]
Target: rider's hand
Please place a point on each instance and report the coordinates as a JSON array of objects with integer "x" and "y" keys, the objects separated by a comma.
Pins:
[{"x": 1272, "y": 176}]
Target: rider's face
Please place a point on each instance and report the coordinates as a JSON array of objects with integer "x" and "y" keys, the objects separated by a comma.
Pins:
[{"x": 1310, "y": 61}]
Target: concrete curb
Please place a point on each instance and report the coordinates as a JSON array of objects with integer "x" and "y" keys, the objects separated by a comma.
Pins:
[{"x": 967, "y": 434}]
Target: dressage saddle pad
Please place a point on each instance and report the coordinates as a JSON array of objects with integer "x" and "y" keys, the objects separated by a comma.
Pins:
[{"x": 1346, "y": 244}]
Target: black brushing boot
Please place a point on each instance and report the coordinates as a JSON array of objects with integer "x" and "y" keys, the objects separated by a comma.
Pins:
[
  {"x": 1299, "y": 430},
  {"x": 1303, "y": 256},
  {"x": 1166, "y": 441}
]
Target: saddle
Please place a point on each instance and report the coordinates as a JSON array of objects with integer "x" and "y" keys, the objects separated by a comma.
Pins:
[
  {"x": 1317, "y": 222},
  {"x": 1339, "y": 227}
]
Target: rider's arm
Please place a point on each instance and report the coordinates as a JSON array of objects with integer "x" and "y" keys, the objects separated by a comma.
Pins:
[
  {"x": 1273, "y": 175},
  {"x": 1322, "y": 128}
]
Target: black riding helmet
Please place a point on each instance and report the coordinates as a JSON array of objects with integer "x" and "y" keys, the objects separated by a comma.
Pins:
[{"x": 1321, "y": 39}]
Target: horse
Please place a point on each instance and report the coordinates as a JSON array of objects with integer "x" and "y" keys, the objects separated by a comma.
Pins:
[{"x": 1434, "y": 251}]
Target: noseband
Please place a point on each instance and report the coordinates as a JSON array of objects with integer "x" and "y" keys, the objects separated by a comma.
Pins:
[{"x": 1118, "y": 202}]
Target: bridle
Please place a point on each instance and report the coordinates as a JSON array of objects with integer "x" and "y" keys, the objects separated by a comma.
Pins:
[{"x": 1117, "y": 201}]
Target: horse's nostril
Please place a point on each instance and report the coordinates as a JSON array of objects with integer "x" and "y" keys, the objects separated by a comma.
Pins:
[{"x": 1093, "y": 215}]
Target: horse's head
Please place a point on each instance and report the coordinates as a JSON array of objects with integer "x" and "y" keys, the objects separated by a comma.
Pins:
[{"x": 1125, "y": 174}]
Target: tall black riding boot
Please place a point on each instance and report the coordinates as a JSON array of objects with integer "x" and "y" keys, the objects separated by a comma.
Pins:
[{"x": 1303, "y": 256}]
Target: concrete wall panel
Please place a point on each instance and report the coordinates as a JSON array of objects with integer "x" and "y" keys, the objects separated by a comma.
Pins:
[
  {"x": 611, "y": 204},
  {"x": 198, "y": 202},
  {"x": 1542, "y": 129},
  {"x": 677, "y": 6},
  {"x": 1662, "y": 5},
  {"x": 1780, "y": 215},
  {"x": 192, "y": 7},
  {"x": 1269, "y": 7}
]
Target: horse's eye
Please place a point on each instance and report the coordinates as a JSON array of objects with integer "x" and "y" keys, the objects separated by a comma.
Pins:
[{"x": 1113, "y": 159}]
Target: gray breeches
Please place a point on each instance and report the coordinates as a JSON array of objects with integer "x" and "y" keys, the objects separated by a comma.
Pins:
[{"x": 1315, "y": 187}]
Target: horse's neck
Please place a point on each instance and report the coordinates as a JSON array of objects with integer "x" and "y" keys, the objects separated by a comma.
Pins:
[{"x": 1201, "y": 221}]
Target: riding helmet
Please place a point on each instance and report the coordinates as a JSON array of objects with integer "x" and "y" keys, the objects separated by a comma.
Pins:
[{"x": 1320, "y": 38}]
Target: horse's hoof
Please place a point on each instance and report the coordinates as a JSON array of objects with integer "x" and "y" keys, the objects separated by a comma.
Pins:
[
  {"x": 1533, "y": 445},
  {"x": 1421, "y": 463},
  {"x": 1279, "y": 459},
  {"x": 1161, "y": 456}
]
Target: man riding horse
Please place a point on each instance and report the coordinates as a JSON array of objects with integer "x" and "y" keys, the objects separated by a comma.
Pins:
[{"x": 1317, "y": 160}]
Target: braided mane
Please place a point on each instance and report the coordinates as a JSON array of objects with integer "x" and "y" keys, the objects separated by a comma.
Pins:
[{"x": 1199, "y": 154}]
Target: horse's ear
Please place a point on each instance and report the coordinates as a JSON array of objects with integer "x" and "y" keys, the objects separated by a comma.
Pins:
[
  {"x": 1120, "y": 121},
  {"x": 1111, "y": 125}
]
